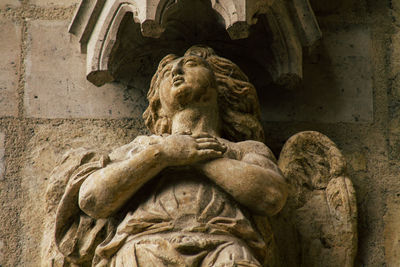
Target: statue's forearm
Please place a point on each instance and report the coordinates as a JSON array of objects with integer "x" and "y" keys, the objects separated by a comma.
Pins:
[
  {"x": 106, "y": 190},
  {"x": 262, "y": 190}
]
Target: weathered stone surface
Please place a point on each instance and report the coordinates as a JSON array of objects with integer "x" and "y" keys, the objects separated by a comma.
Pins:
[
  {"x": 2, "y": 251},
  {"x": 321, "y": 204},
  {"x": 337, "y": 84},
  {"x": 205, "y": 127},
  {"x": 56, "y": 86},
  {"x": 391, "y": 232},
  {"x": 395, "y": 40},
  {"x": 60, "y": 3},
  {"x": 97, "y": 24},
  {"x": 329, "y": 7},
  {"x": 394, "y": 123},
  {"x": 9, "y": 3},
  {"x": 9, "y": 53},
  {"x": 2, "y": 150},
  {"x": 326, "y": 6},
  {"x": 395, "y": 5},
  {"x": 368, "y": 138},
  {"x": 43, "y": 151},
  {"x": 357, "y": 161}
]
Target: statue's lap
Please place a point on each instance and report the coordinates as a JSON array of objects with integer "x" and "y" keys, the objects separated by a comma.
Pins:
[{"x": 185, "y": 250}]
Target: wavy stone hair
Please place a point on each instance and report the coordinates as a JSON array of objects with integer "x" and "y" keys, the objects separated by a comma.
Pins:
[{"x": 237, "y": 99}]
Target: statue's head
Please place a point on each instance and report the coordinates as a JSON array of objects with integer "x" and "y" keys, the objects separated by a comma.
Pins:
[{"x": 209, "y": 76}]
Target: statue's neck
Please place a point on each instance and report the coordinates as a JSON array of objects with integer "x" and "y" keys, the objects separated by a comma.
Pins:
[{"x": 196, "y": 121}]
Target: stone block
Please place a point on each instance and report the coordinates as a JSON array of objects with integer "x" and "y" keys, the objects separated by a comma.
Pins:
[
  {"x": 337, "y": 82},
  {"x": 56, "y": 85},
  {"x": 9, "y": 53},
  {"x": 55, "y": 3},
  {"x": 9, "y": 3}
]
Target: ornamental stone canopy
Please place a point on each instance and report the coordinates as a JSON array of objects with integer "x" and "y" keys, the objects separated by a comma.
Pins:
[{"x": 116, "y": 34}]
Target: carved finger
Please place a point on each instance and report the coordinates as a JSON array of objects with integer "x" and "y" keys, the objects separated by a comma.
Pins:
[
  {"x": 206, "y": 139},
  {"x": 211, "y": 145},
  {"x": 186, "y": 133},
  {"x": 209, "y": 153},
  {"x": 202, "y": 135}
]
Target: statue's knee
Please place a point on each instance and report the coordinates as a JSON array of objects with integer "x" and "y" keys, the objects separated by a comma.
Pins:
[{"x": 231, "y": 254}]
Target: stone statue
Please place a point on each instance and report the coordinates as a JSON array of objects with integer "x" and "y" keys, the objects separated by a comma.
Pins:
[{"x": 198, "y": 191}]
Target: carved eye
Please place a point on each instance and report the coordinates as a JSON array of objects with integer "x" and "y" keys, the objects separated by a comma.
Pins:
[
  {"x": 166, "y": 72},
  {"x": 190, "y": 63}
]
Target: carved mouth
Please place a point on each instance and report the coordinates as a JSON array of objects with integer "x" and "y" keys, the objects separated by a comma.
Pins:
[{"x": 178, "y": 80}]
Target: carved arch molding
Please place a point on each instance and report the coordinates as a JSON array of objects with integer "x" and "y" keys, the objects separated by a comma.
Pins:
[{"x": 265, "y": 37}]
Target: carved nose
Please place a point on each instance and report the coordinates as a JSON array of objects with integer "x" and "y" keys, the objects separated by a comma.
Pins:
[{"x": 177, "y": 69}]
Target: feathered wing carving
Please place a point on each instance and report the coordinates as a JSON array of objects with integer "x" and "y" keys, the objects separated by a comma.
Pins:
[{"x": 318, "y": 226}]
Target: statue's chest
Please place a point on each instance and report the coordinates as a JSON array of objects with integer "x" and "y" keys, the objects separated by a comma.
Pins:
[
  {"x": 178, "y": 195},
  {"x": 183, "y": 195}
]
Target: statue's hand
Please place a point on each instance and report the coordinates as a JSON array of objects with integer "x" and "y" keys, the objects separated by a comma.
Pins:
[{"x": 185, "y": 149}]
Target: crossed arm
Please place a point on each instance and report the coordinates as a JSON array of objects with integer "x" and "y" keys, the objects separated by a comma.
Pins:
[{"x": 253, "y": 181}]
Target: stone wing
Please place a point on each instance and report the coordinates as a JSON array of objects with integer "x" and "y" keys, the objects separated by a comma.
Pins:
[{"x": 318, "y": 226}]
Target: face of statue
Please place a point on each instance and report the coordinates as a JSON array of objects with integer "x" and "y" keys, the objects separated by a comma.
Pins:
[{"x": 187, "y": 82}]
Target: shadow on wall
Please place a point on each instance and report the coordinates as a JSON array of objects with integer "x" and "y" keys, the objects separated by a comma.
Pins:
[{"x": 337, "y": 84}]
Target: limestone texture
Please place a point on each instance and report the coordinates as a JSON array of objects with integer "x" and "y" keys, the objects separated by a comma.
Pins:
[
  {"x": 33, "y": 145},
  {"x": 171, "y": 195},
  {"x": 337, "y": 84},
  {"x": 184, "y": 195},
  {"x": 2, "y": 152},
  {"x": 55, "y": 87},
  {"x": 391, "y": 218},
  {"x": 391, "y": 233},
  {"x": 98, "y": 26},
  {"x": 48, "y": 145},
  {"x": 54, "y": 3},
  {"x": 9, "y": 3},
  {"x": 9, "y": 52},
  {"x": 321, "y": 212}
]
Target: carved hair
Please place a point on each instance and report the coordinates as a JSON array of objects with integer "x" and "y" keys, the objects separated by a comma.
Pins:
[{"x": 237, "y": 99}]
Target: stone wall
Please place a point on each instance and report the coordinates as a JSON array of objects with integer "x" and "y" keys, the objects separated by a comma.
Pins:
[{"x": 350, "y": 93}]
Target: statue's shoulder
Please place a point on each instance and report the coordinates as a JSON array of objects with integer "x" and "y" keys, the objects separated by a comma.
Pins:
[
  {"x": 255, "y": 147},
  {"x": 138, "y": 144}
]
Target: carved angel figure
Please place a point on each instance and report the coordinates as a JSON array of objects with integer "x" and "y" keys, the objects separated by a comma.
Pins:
[{"x": 198, "y": 191}]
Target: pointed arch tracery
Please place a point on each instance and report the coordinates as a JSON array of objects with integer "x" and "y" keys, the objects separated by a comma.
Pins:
[{"x": 291, "y": 23}]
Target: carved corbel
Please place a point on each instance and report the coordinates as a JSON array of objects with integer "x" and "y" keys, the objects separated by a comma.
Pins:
[
  {"x": 291, "y": 25},
  {"x": 97, "y": 23},
  {"x": 239, "y": 15}
]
